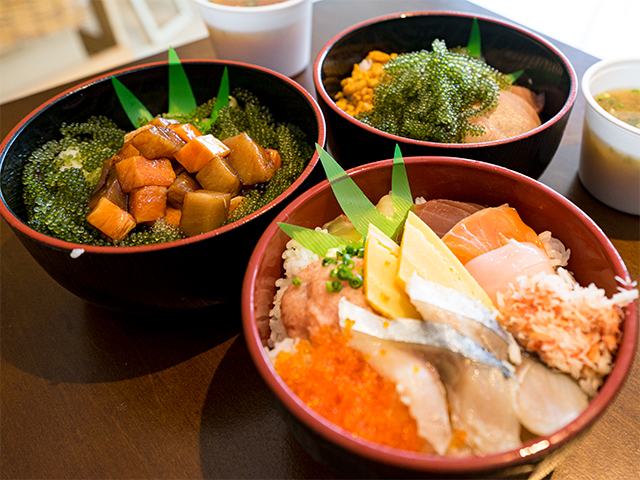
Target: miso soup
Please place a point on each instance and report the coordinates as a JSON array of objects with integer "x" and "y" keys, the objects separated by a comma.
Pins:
[{"x": 623, "y": 103}]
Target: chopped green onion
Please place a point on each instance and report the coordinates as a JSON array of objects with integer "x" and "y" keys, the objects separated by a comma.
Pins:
[
  {"x": 296, "y": 282},
  {"x": 334, "y": 287},
  {"x": 355, "y": 281},
  {"x": 344, "y": 273},
  {"x": 328, "y": 261}
]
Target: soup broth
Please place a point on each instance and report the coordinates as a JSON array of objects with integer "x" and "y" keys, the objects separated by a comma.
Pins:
[{"x": 624, "y": 104}]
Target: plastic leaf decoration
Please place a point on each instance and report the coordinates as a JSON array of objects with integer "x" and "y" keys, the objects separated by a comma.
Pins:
[
  {"x": 356, "y": 206},
  {"x": 474, "y": 49},
  {"x": 402, "y": 198},
  {"x": 318, "y": 242},
  {"x": 512, "y": 77},
  {"x": 181, "y": 98},
  {"x": 222, "y": 99},
  {"x": 135, "y": 110},
  {"x": 474, "y": 46}
]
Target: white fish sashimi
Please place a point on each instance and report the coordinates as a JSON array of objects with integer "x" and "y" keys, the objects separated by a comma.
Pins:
[
  {"x": 480, "y": 390},
  {"x": 417, "y": 383},
  {"x": 497, "y": 269},
  {"x": 441, "y": 304},
  {"x": 482, "y": 404},
  {"x": 547, "y": 399}
]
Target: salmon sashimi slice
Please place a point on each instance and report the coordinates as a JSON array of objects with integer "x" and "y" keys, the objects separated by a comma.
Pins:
[
  {"x": 486, "y": 230},
  {"x": 442, "y": 214}
]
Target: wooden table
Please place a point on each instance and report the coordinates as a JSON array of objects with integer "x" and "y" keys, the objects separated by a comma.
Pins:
[{"x": 87, "y": 393}]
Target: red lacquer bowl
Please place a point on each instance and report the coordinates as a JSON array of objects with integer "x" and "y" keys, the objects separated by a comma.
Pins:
[{"x": 593, "y": 260}]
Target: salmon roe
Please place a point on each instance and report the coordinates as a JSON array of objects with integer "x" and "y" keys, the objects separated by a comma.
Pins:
[{"x": 336, "y": 381}]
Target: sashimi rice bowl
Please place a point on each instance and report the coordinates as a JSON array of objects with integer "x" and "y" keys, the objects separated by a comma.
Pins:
[{"x": 438, "y": 314}]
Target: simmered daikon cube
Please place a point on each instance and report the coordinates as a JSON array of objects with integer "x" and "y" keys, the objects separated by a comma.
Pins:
[{"x": 203, "y": 211}]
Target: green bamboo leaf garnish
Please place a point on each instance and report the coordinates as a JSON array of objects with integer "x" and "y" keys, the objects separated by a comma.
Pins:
[
  {"x": 222, "y": 99},
  {"x": 356, "y": 206},
  {"x": 402, "y": 199},
  {"x": 135, "y": 110},
  {"x": 512, "y": 77},
  {"x": 181, "y": 98},
  {"x": 474, "y": 47},
  {"x": 318, "y": 242}
]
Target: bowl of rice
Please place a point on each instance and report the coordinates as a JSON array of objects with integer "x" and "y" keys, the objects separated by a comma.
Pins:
[
  {"x": 349, "y": 375},
  {"x": 401, "y": 79},
  {"x": 62, "y": 145}
]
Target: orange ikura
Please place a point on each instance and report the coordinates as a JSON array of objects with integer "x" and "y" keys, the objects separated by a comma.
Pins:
[{"x": 352, "y": 394}]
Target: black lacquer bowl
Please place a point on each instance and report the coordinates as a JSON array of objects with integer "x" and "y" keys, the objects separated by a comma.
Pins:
[
  {"x": 507, "y": 47},
  {"x": 195, "y": 272}
]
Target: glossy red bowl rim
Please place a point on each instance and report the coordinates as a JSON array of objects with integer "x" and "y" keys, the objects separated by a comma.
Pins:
[
  {"x": 529, "y": 451},
  {"x": 317, "y": 80},
  {"x": 21, "y": 226}
]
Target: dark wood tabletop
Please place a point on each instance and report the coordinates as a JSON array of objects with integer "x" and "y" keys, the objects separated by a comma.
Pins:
[{"x": 88, "y": 393}]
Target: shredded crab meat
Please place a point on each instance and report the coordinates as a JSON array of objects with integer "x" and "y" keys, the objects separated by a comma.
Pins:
[{"x": 572, "y": 328}]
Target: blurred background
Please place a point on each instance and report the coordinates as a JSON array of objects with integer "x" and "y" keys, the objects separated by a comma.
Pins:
[{"x": 71, "y": 39}]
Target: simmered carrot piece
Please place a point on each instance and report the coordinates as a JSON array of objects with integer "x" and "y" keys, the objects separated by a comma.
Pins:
[
  {"x": 136, "y": 172},
  {"x": 203, "y": 211},
  {"x": 185, "y": 131},
  {"x": 249, "y": 160},
  {"x": 173, "y": 215},
  {"x": 200, "y": 151},
  {"x": 111, "y": 220},
  {"x": 148, "y": 204},
  {"x": 219, "y": 176},
  {"x": 183, "y": 184},
  {"x": 157, "y": 142}
]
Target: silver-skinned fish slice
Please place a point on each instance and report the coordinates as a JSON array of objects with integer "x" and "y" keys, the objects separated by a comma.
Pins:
[
  {"x": 437, "y": 303},
  {"x": 480, "y": 388}
]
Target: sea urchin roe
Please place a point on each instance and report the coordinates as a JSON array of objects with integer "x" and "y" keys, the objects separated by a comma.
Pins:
[
  {"x": 336, "y": 381},
  {"x": 356, "y": 95}
]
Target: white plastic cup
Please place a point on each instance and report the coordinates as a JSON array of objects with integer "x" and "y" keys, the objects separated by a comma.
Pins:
[
  {"x": 276, "y": 36},
  {"x": 610, "y": 152}
]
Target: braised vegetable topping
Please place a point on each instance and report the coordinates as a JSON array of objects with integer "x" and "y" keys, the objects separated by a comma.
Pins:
[{"x": 176, "y": 176}]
